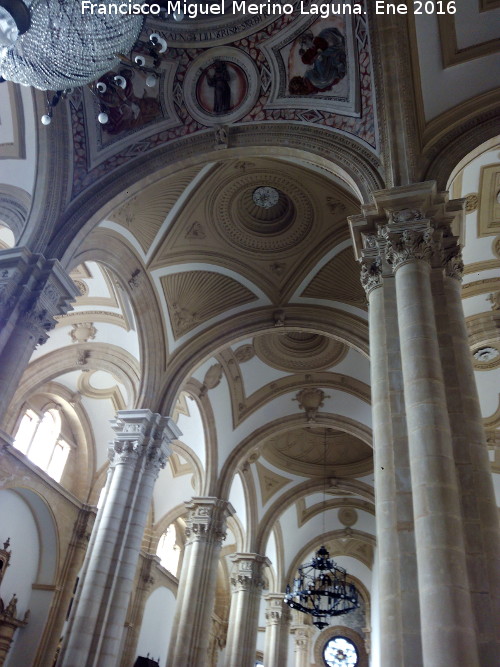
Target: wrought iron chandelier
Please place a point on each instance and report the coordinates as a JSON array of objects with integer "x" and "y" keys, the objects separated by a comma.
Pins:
[{"x": 321, "y": 590}]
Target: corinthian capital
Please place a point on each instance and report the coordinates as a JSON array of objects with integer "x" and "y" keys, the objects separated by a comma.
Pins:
[
  {"x": 142, "y": 435},
  {"x": 207, "y": 519},
  {"x": 410, "y": 244},
  {"x": 33, "y": 291},
  {"x": 247, "y": 572}
]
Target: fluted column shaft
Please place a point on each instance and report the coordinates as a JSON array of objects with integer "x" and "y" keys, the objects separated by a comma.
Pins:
[
  {"x": 33, "y": 291},
  {"x": 276, "y": 639},
  {"x": 247, "y": 583},
  {"x": 139, "y": 451},
  {"x": 205, "y": 532}
]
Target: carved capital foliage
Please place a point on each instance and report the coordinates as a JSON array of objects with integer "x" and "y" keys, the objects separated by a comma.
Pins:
[
  {"x": 33, "y": 291},
  {"x": 409, "y": 245},
  {"x": 247, "y": 573},
  {"x": 454, "y": 265},
  {"x": 406, "y": 224},
  {"x": 207, "y": 520},
  {"x": 142, "y": 436}
]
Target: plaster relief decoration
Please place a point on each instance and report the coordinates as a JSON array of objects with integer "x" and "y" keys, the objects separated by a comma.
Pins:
[
  {"x": 244, "y": 353},
  {"x": 486, "y": 358},
  {"x": 299, "y": 351},
  {"x": 194, "y": 297},
  {"x": 221, "y": 86},
  {"x": 488, "y": 220},
  {"x": 82, "y": 332},
  {"x": 310, "y": 400},
  {"x": 212, "y": 379},
  {"x": 313, "y": 66},
  {"x": 270, "y": 482}
]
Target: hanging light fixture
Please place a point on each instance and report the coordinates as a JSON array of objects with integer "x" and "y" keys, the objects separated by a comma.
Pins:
[
  {"x": 58, "y": 45},
  {"x": 321, "y": 588}
]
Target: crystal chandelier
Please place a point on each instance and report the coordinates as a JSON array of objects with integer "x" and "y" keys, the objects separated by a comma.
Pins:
[
  {"x": 54, "y": 45},
  {"x": 321, "y": 590}
]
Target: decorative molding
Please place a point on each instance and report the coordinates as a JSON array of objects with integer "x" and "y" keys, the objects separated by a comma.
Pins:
[
  {"x": 451, "y": 54},
  {"x": 113, "y": 393},
  {"x": 302, "y": 452},
  {"x": 485, "y": 265},
  {"x": 206, "y": 519},
  {"x": 299, "y": 351},
  {"x": 310, "y": 400},
  {"x": 144, "y": 213},
  {"x": 480, "y": 287},
  {"x": 193, "y": 297},
  {"x": 338, "y": 280},
  {"x": 82, "y": 332},
  {"x": 142, "y": 435},
  {"x": 270, "y": 482},
  {"x": 488, "y": 219}
]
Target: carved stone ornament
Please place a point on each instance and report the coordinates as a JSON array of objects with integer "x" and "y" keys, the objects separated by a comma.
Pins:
[
  {"x": 206, "y": 520},
  {"x": 371, "y": 274},
  {"x": 310, "y": 400},
  {"x": 142, "y": 436},
  {"x": 244, "y": 353},
  {"x": 406, "y": 215},
  {"x": 82, "y": 332},
  {"x": 471, "y": 202},
  {"x": 247, "y": 572},
  {"x": 486, "y": 354},
  {"x": 37, "y": 289},
  {"x": 494, "y": 298},
  {"x": 454, "y": 266},
  {"x": 410, "y": 245}
]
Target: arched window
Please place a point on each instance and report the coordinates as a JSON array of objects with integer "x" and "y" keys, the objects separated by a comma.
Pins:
[
  {"x": 340, "y": 652},
  {"x": 168, "y": 550},
  {"x": 39, "y": 437}
]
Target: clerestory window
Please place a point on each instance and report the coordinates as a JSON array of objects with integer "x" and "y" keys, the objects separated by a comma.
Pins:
[{"x": 39, "y": 437}]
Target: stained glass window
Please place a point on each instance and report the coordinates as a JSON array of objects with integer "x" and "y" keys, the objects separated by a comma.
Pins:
[{"x": 340, "y": 652}]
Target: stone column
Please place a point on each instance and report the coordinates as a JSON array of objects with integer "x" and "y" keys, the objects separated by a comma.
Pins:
[
  {"x": 137, "y": 454},
  {"x": 205, "y": 532},
  {"x": 142, "y": 586},
  {"x": 33, "y": 290},
  {"x": 247, "y": 583},
  {"x": 302, "y": 635},
  {"x": 409, "y": 229},
  {"x": 276, "y": 640},
  {"x": 448, "y": 635},
  {"x": 480, "y": 514},
  {"x": 398, "y": 603}
]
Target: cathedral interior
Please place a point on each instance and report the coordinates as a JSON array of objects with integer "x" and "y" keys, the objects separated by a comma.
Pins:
[{"x": 249, "y": 311}]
